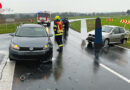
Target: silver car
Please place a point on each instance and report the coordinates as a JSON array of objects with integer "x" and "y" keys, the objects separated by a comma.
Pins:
[{"x": 110, "y": 35}]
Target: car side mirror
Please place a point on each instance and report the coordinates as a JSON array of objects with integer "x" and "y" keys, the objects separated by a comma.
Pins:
[
  {"x": 12, "y": 34},
  {"x": 50, "y": 35}
]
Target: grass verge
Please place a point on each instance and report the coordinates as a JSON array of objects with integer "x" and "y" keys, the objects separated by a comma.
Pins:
[
  {"x": 76, "y": 26},
  {"x": 8, "y": 28}
]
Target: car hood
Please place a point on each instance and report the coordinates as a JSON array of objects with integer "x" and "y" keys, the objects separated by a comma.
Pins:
[
  {"x": 93, "y": 33},
  {"x": 30, "y": 41}
]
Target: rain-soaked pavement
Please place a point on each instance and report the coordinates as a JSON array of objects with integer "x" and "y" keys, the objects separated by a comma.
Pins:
[{"x": 75, "y": 69}]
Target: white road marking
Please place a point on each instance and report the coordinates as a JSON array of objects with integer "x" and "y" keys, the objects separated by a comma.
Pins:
[
  {"x": 122, "y": 47},
  {"x": 7, "y": 78},
  {"x": 115, "y": 73},
  {"x": 8, "y": 72}
]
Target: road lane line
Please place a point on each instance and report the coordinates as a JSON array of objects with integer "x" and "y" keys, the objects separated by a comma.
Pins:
[
  {"x": 7, "y": 70},
  {"x": 122, "y": 47},
  {"x": 115, "y": 73},
  {"x": 7, "y": 78}
]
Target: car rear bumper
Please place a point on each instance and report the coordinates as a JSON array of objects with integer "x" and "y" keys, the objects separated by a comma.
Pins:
[{"x": 30, "y": 55}]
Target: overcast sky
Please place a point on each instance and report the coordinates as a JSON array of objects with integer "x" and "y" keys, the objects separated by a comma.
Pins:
[{"x": 27, "y": 6}]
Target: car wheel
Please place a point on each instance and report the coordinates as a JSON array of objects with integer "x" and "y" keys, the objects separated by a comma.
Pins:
[
  {"x": 10, "y": 58},
  {"x": 48, "y": 24},
  {"x": 124, "y": 41},
  {"x": 106, "y": 43},
  {"x": 90, "y": 44},
  {"x": 50, "y": 54}
]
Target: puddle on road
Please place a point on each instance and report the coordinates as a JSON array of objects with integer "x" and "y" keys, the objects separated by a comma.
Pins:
[{"x": 38, "y": 71}]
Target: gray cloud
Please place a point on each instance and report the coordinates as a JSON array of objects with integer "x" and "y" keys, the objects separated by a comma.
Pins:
[{"x": 67, "y": 5}]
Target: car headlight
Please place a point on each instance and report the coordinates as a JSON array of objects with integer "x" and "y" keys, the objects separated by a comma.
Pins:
[
  {"x": 46, "y": 46},
  {"x": 15, "y": 46}
]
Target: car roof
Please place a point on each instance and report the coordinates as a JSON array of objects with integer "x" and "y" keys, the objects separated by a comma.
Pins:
[
  {"x": 111, "y": 26},
  {"x": 31, "y": 25}
]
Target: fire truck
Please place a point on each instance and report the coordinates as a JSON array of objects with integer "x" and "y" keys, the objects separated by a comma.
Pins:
[{"x": 44, "y": 18}]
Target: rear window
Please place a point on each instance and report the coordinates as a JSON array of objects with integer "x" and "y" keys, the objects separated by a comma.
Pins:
[{"x": 31, "y": 32}]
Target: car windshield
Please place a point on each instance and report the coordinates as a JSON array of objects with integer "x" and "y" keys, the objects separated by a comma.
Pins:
[
  {"x": 106, "y": 29},
  {"x": 31, "y": 32},
  {"x": 43, "y": 14}
]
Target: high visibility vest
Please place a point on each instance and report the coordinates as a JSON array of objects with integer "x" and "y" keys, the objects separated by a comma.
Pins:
[{"x": 59, "y": 27}]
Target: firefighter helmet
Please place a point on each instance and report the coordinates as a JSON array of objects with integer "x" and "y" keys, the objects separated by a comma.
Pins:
[{"x": 57, "y": 18}]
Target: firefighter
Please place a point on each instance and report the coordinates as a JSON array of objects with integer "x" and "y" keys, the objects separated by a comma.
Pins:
[{"x": 58, "y": 29}]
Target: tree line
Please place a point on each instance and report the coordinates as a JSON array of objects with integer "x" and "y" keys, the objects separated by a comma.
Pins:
[{"x": 65, "y": 14}]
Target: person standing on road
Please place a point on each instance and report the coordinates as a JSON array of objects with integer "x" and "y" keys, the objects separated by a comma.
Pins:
[
  {"x": 98, "y": 42},
  {"x": 66, "y": 27},
  {"x": 58, "y": 29}
]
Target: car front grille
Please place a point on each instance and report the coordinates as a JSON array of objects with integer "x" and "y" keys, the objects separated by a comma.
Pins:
[{"x": 28, "y": 48}]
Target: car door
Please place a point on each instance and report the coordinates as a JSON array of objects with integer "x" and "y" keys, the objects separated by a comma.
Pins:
[
  {"x": 116, "y": 35},
  {"x": 122, "y": 33}
]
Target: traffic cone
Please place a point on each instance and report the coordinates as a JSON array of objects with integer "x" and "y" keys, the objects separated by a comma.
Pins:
[
  {"x": 121, "y": 20},
  {"x": 124, "y": 21},
  {"x": 127, "y": 22}
]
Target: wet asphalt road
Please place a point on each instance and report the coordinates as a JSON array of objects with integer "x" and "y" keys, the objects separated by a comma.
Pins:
[{"x": 75, "y": 69}]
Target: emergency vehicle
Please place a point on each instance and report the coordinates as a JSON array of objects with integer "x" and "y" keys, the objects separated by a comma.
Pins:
[{"x": 44, "y": 18}]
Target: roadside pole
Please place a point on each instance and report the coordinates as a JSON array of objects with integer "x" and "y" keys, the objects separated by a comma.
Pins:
[{"x": 83, "y": 32}]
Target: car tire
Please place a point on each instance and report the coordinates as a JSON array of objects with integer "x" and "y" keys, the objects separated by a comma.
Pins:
[
  {"x": 90, "y": 44},
  {"x": 49, "y": 62},
  {"x": 124, "y": 41},
  {"x": 48, "y": 24},
  {"x": 51, "y": 54},
  {"x": 106, "y": 42},
  {"x": 10, "y": 58}
]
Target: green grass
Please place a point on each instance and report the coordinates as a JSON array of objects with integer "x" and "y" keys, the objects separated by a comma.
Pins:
[
  {"x": 76, "y": 26},
  {"x": 88, "y": 17},
  {"x": 9, "y": 28},
  {"x": 116, "y": 22},
  {"x": 76, "y": 17}
]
